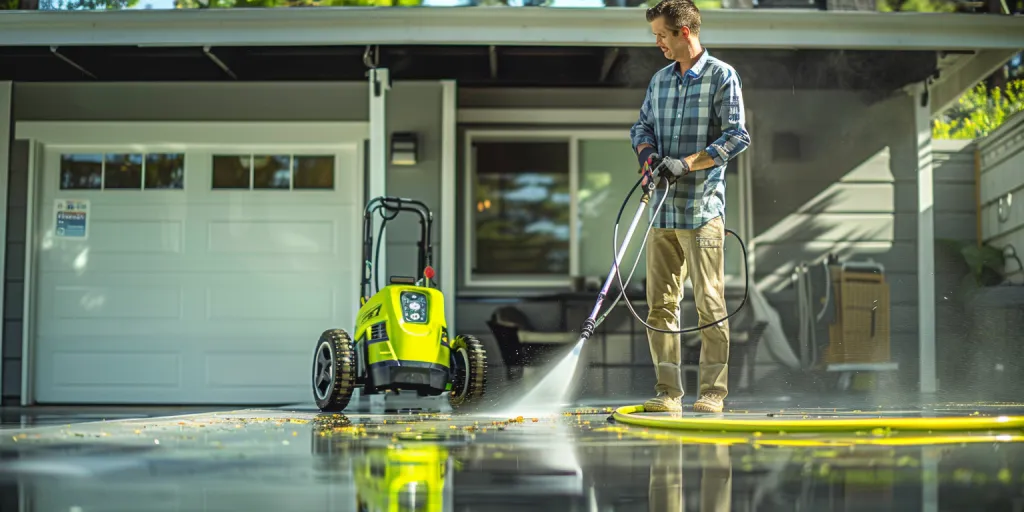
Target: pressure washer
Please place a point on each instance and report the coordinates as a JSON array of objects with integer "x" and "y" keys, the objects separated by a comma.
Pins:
[{"x": 649, "y": 184}]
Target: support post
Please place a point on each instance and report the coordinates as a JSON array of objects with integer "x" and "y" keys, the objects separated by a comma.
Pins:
[
  {"x": 380, "y": 84},
  {"x": 6, "y": 133},
  {"x": 925, "y": 241},
  {"x": 449, "y": 184}
]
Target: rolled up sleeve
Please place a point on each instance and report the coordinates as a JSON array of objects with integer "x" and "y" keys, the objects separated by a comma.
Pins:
[{"x": 728, "y": 103}]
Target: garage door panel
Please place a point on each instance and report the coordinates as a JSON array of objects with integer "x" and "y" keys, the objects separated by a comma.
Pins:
[
  {"x": 134, "y": 369},
  {"x": 245, "y": 300},
  {"x": 121, "y": 302},
  {"x": 203, "y": 235},
  {"x": 128, "y": 365},
  {"x": 190, "y": 304},
  {"x": 136, "y": 237},
  {"x": 85, "y": 263},
  {"x": 272, "y": 369},
  {"x": 272, "y": 237}
]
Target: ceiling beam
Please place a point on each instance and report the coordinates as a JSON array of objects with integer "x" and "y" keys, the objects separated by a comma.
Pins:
[{"x": 607, "y": 27}]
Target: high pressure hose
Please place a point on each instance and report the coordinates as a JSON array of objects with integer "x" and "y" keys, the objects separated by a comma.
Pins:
[{"x": 622, "y": 285}]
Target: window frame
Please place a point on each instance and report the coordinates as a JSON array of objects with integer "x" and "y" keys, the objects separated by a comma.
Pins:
[{"x": 572, "y": 137}]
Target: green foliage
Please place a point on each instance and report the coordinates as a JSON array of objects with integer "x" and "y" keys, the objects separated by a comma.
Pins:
[
  {"x": 986, "y": 265},
  {"x": 979, "y": 111},
  {"x": 916, "y": 6},
  {"x": 227, "y": 4}
]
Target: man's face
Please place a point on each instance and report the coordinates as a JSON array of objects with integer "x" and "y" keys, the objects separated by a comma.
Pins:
[{"x": 672, "y": 46}]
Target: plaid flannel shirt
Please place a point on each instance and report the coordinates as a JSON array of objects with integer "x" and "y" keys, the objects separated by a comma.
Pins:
[{"x": 683, "y": 114}]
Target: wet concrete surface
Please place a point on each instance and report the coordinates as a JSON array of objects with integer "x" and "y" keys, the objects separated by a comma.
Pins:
[{"x": 296, "y": 459}]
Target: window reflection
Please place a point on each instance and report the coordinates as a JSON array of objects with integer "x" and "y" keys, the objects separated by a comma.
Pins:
[
  {"x": 607, "y": 170},
  {"x": 316, "y": 172},
  {"x": 522, "y": 208},
  {"x": 165, "y": 171},
  {"x": 272, "y": 171},
  {"x": 231, "y": 171},
  {"x": 123, "y": 171},
  {"x": 81, "y": 172}
]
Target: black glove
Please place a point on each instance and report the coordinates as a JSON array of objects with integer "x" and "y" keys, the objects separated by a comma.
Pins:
[
  {"x": 647, "y": 156},
  {"x": 671, "y": 168}
]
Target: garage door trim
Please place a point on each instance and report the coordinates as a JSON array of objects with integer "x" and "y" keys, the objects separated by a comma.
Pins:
[{"x": 43, "y": 135}]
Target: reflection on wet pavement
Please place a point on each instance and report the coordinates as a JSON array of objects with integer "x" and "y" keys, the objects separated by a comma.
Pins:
[{"x": 296, "y": 460}]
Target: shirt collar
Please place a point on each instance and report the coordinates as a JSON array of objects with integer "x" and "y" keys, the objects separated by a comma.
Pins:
[{"x": 698, "y": 67}]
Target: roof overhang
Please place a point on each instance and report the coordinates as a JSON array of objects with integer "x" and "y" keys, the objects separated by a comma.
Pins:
[{"x": 609, "y": 27}]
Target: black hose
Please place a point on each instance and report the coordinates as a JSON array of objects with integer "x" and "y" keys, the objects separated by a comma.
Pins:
[{"x": 622, "y": 286}]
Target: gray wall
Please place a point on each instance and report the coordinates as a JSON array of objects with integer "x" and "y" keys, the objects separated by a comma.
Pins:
[
  {"x": 415, "y": 107},
  {"x": 14, "y": 272},
  {"x": 955, "y": 190},
  {"x": 851, "y": 190}
]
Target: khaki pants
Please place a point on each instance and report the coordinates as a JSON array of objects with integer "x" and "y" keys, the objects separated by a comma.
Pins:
[
  {"x": 665, "y": 492},
  {"x": 672, "y": 256}
]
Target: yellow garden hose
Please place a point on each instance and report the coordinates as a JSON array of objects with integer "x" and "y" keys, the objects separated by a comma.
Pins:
[{"x": 633, "y": 415}]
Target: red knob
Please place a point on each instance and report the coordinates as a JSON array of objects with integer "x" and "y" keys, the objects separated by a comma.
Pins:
[{"x": 428, "y": 272}]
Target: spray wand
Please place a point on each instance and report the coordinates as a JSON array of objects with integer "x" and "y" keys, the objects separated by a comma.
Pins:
[{"x": 647, "y": 181}]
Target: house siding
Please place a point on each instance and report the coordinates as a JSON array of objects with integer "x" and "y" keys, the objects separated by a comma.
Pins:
[
  {"x": 1002, "y": 178},
  {"x": 955, "y": 191}
]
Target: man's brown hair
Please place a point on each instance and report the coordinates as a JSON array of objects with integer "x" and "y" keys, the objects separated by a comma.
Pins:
[{"x": 677, "y": 14}]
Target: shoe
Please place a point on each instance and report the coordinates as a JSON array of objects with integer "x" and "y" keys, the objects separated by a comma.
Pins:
[
  {"x": 664, "y": 403},
  {"x": 709, "y": 401}
]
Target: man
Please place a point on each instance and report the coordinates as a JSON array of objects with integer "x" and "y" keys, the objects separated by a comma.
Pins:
[{"x": 691, "y": 124}]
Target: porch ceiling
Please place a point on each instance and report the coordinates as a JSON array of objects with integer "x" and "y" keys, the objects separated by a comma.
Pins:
[{"x": 474, "y": 66}]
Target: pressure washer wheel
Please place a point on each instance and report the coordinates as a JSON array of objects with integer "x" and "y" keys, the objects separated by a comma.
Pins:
[
  {"x": 468, "y": 371},
  {"x": 334, "y": 370}
]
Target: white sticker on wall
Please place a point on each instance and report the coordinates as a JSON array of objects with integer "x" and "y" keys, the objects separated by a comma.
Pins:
[{"x": 72, "y": 219}]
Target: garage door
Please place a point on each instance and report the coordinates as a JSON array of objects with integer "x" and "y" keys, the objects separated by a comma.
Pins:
[{"x": 183, "y": 274}]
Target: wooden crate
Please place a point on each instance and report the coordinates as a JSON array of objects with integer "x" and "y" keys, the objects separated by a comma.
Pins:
[{"x": 860, "y": 332}]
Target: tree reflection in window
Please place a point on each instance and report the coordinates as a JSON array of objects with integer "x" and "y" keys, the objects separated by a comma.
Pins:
[
  {"x": 165, "y": 170},
  {"x": 521, "y": 215},
  {"x": 123, "y": 171},
  {"x": 81, "y": 171}
]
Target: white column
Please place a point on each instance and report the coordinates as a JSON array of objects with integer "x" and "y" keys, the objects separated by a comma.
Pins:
[
  {"x": 447, "y": 272},
  {"x": 925, "y": 241},
  {"x": 380, "y": 84},
  {"x": 5, "y": 159}
]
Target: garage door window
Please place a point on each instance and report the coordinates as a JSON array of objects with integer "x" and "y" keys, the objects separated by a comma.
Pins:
[
  {"x": 122, "y": 171},
  {"x": 273, "y": 172}
]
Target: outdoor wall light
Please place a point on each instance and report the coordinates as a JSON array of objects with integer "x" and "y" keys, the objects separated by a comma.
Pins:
[{"x": 403, "y": 148}]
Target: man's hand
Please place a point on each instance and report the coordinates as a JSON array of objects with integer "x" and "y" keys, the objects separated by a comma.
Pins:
[
  {"x": 646, "y": 155},
  {"x": 648, "y": 159},
  {"x": 672, "y": 168}
]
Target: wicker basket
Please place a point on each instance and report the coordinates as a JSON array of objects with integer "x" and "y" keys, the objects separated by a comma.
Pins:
[{"x": 860, "y": 333}]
